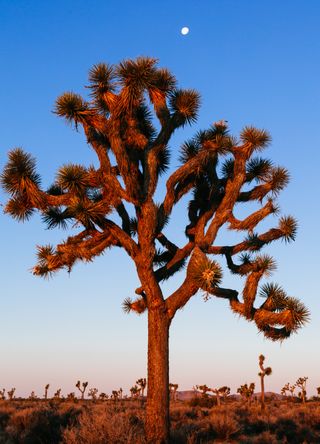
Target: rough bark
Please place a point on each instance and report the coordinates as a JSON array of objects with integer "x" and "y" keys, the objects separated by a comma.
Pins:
[
  {"x": 157, "y": 413},
  {"x": 262, "y": 392}
]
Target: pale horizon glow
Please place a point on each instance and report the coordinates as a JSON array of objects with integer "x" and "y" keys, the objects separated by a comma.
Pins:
[{"x": 251, "y": 67}]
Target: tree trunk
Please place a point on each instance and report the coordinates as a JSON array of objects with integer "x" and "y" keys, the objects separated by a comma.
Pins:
[
  {"x": 262, "y": 393},
  {"x": 157, "y": 412}
]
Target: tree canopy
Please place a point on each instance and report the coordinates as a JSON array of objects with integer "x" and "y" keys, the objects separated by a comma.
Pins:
[{"x": 132, "y": 154}]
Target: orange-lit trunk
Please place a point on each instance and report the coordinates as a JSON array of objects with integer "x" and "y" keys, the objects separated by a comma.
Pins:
[
  {"x": 157, "y": 413},
  {"x": 262, "y": 393}
]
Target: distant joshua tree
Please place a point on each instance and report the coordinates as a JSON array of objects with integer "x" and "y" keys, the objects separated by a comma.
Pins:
[
  {"x": 120, "y": 391},
  {"x": 83, "y": 389},
  {"x": 285, "y": 389},
  {"x": 173, "y": 391},
  {"x": 135, "y": 391},
  {"x": 142, "y": 383},
  {"x": 134, "y": 109},
  {"x": 57, "y": 394},
  {"x": 224, "y": 392},
  {"x": 71, "y": 396},
  {"x": 33, "y": 396},
  {"x": 246, "y": 391},
  {"x": 302, "y": 384},
  {"x": 115, "y": 395},
  {"x": 204, "y": 389},
  {"x": 217, "y": 393},
  {"x": 93, "y": 393},
  {"x": 265, "y": 371},
  {"x": 292, "y": 388},
  {"x": 46, "y": 391},
  {"x": 103, "y": 396},
  {"x": 11, "y": 393},
  {"x": 2, "y": 394},
  {"x": 318, "y": 391}
]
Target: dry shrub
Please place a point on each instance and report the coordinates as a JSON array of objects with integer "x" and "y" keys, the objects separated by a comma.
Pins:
[
  {"x": 263, "y": 438},
  {"x": 5, "y": 412},
  {"x": 105, "y": 424},
  {"x": 33, "y": 425},
  {"x": 224, "y": 424}
]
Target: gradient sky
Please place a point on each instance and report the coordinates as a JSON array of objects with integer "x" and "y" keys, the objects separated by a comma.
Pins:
[{"x": 254, "y": 62}]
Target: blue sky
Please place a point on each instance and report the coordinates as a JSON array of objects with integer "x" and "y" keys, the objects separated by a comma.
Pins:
[{"x": 253, "y": 63}]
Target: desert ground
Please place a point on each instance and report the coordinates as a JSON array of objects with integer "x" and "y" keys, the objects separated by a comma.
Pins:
[{"x": 193, "y": 420}]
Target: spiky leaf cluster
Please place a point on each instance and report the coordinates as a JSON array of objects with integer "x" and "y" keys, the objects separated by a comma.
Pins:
[
  {"x": 289, "y": 226},
  {"x": 206, "y": 273},
  {"x": 71, "y": 106},
  {"x": 185, "y": 104},
  {"x": 19, "y": 172},
  {"x": 258, "y": 139},
  {"x": 258, "y": 169},
  {"x": 73, "y": 178}
]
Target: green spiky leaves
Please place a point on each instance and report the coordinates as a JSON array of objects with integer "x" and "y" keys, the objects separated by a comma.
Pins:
[
  {"x": 206, "y": 273},
  {"x": 89, "y": 213},
  {"x": 139, "y": 305},
  {"x": 258, "y": 169},
  {"x": 101, "y": 78},
  {"x": 266, "y": 264},
  {"x": 185, "y": 104},
  {"x": 71, "y": 106},
  {"x": 73, "y": 178},
  {"x": 136, "y": 73},
  {"x": 20, "y": 179},
  {"x": 288, "y": 311},
  {"x": 211, "y": 141},
  {"x": 300, "y": 313},
  {"x": 19, "y": 172},
  {"x": 56, "y": 217},
  {"x": 20, "y": 208},
  {"x": 279, "y": 179},
  {"x": 289, "y": 226},
  {"x": 258, "y": 139},
  {"x": 275, "y": 295}
]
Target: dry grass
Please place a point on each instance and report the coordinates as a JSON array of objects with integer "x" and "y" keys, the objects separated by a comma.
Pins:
[{"x": 86, "y": 422}]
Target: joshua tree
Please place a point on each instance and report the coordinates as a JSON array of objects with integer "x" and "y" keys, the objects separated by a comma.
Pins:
[
  {"x": 292, "y": 389},
  {"x": 285, "y": 389},
  {"x": 217, "y": 393},
  {"x": 103, "y": 396},
  {"x": 173, "y": 391},
  {"x": 57, "y": 394},
  {"x": 204, "y": 389},
  {"x": 83, "y": 389},
  {"x": 132, "y": 154},
  {"x": 2, "y": 394},
  {"x": 318, "y": 391},
  {"x": 302, "y": 383},
  {"x": 135, "y": 391},
  {"x": 246, "y": 391},
  {"x": 93, "y": 393},
  {"x": 46, "y": 391},
  {"x": 71, "y": 396},
  {"x": 264, "y": 372},
  {"x": 224, "y": 391},
  {"x": 142, "y": 383},
  {"x": 120, "y": 391},
  {"x": 115, "y": 395},
  {"x": 11, "y": 393},
  {"x": 33, "y": 396}
]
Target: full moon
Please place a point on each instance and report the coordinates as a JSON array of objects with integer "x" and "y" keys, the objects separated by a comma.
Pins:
[{"x": 185, "y": 30}]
